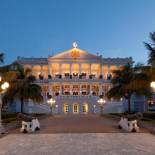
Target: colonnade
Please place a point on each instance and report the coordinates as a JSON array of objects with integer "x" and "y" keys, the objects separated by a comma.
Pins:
[{"x": 70, "y": 68}]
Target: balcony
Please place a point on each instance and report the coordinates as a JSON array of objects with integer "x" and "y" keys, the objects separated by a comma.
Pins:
[
  {"x": 75, "y": 97},
  {"x": 74, "y": 78},
  {"x": 80, "y": 80}
]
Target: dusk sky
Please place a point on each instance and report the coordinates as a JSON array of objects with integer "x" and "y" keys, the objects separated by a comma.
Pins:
[{"x": 113, "y": 28}]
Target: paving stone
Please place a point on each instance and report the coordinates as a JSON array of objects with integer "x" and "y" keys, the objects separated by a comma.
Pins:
[{"x": 78, "y": 144}]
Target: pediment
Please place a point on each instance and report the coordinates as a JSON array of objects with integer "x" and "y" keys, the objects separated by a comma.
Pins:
[{"x": 75, "y": 53}]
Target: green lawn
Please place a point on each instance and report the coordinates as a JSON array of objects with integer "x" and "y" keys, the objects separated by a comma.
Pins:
[
  {"x": 148, "y": 117},
  {"x": 9, "y": 117}
]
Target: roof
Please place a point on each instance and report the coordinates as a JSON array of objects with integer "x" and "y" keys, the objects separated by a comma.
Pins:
[
  {"x": 76, "y": 54},
  {"x": 23, "y": 60}
]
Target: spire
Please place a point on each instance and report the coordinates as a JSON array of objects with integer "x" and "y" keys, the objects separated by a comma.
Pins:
[{"x": 74, "y": 45}]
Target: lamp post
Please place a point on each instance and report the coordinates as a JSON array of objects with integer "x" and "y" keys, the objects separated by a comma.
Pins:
[
  {"x": 101, "y": 103},
  {"x": 51, "y": 102},
  {"x": 4, "y": 86}
]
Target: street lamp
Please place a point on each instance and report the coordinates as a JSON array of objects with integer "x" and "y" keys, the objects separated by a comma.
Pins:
[
  {"x": 51, "y": 102},
  {"x": 101, "y": 103},
  {"x": 4, "y": 86}
]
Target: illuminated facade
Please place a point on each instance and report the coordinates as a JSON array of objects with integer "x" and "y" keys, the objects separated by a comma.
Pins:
[{"x": 74, "y": 78}]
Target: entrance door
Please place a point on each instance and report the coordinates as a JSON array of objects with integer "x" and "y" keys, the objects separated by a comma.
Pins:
[{"x": 75, "y": 108}]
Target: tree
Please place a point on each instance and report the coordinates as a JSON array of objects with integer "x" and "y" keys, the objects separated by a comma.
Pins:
[
  {"x": 21, "y": 85},
  {"x": 127, "y": 81},
  {"x": 151, "y": 48},
  {"x": 1, "y": 57}
]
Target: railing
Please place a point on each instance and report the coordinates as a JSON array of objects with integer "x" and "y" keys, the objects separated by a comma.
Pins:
[
  {"x": 72, "y": 80},
  {"x": 75, "y": 96}
]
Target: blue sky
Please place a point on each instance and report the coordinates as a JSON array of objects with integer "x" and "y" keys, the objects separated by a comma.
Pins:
[{"x": 114, "y": 28}]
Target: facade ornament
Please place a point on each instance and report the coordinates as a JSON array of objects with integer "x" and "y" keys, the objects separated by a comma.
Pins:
[{"x": 75, "y": 45}]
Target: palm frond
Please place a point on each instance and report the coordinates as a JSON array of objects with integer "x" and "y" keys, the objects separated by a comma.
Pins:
[
  {"x": 2, "y": 57},
  {"x": 152, "y": 36},
  {"x": 116, "y": 92}
]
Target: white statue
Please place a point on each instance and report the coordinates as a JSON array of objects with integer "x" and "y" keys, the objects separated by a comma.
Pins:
[{"x": 75, "y": 45}]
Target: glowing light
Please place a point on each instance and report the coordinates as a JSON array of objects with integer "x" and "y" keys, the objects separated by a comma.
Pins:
[
  {"x": 5, "y": 85},
  {"x": 101, "y": 101},
  {"x": 152, "y": 84},
  {"x": 51, "y": 102}
]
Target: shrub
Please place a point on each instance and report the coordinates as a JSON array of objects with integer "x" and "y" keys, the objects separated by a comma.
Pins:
[{"x": 150, "y": 115}]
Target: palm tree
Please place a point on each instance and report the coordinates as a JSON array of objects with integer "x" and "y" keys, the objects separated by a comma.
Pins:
[
  {"x": 151, "y": 49},
  {"x": 127, "y": 81},
  {"x": 21, "y": 86},
  {"x": 1, "y": 57}
]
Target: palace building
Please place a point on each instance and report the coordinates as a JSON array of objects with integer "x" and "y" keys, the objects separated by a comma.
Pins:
[{"x": 75, "y": 78}]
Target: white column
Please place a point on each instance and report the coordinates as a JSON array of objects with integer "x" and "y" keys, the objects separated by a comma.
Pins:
[
  {"x": 49, "y": 68},
  {"x": 60, "y": 71},
  {"x": 60, "y": 90},
  {"x": 70, "y": 69},
  {"x": 79, "y": 69},
  {"x": 50, "y": 89},
  {"x": 41, "y": 71},
  {"x": 108, "y": 69},
  {"x": 90, "y": 69},
  {"x": 80, "y": 88},
  {"x": 90, "y": 90},
  {"x": 100, "y": 69},
  {"x": 100, "y": 89},
  {"x": 70, "y": 90},
  {"x": 32, "y": 69}
]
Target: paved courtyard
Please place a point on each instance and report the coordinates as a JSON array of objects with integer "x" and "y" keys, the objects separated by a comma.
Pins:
[
  {"x": 78, "y": 135},
  {"x": 78, "y": 144},
  {"x": 79, "y": 124}
]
